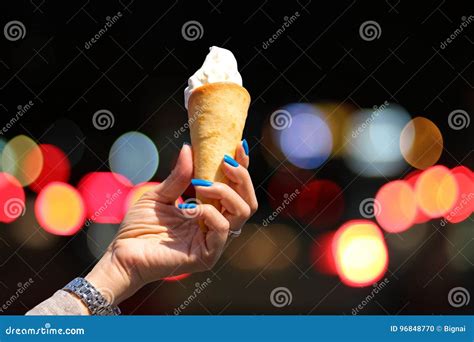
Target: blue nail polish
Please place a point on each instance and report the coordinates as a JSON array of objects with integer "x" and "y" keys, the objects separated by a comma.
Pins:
[
  {"x": 187, "y": 205},
  {"x": 231, "y": 161},
  {"x": 200, "y": 182},
  {"x": 245, "y": 145}
]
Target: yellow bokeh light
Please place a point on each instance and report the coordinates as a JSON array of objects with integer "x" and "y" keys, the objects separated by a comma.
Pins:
[
  {"x": 23, "y": 159},
  {"x": 421, "y": 143},
  {"x": 360, "y": 253},
  {"x": 436, "y": 191},
  {"x": 60, "y": 209}
]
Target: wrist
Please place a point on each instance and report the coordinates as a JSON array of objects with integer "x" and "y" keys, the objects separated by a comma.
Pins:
[{"x": 112, "y": 280}]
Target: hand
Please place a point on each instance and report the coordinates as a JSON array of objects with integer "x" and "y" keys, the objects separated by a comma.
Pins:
[{"x": 157, "y": 239}]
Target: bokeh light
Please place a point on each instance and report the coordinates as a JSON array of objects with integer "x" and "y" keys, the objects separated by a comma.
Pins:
[
  {"x": 320, "y": 203},
  {"x": 322, "y": 257},
  {"x": 99, "y": 237},
  {"x": 177, "y": 277},
  {"x": 2, "y": 146},
  {"x": 464, "y": 203},
  {"x": 306, "y": 140},
  {"x": 436, "y": 191},
  {"x": 398, "y": 208},
  {"x": 12, "y": 198},
  {"x": 59, "y": 209},
  {"x": 23, "y": 159},
  {"x": 56, "y": 167},
  {"x": 360, "y": 253},
  {"x": 272, "y": 248},
  {"x": 421, "y": 143},
  {"x": 66, "y": 135},
  {"x": 284, "y": 186},
  {"x": 135, "y": 156},
  {"x": 337, "y": 115},
  {"x": 104, "y": 194},
  {"x": 372, "y": 147},
  {"x": 411, "y": 179}
]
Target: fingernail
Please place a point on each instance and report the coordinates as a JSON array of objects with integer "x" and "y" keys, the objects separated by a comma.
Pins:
[
  {"x": 231, "y": 161},
  {"x": 245, "y": 145},
  {"x": 187, "y": 205},
  {"x": 200, "y": 182}
]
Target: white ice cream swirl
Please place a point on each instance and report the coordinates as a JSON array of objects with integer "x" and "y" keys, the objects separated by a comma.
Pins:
[{"x": 220, "y": 65}]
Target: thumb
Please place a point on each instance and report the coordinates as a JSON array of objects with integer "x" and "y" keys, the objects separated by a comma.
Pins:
[{"x": 173, "y": 186}]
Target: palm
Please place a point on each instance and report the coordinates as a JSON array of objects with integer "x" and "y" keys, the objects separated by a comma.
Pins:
[{"x": 156, "y": 236}]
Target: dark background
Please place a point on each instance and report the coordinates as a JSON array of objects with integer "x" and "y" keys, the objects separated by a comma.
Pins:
[{"x": 138, "y": 71}]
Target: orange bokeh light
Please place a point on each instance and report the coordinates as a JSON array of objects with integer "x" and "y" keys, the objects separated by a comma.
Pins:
[
  {"x": 436, "y": 191},
  {"x": 360, "y": 253},
  {"x": 411, "y": 179},
  {"x": 59, "y": 209},
  {"x": 421, "y": 143},
  {"x": 398, "y": 206}
]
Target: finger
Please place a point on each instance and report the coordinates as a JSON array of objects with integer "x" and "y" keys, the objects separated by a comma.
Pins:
[
  {"x": 217, "y": 224},
  {"x": 242, "y": 154},
  {"x": 228, "y": 197},
  {"x": 242, "y": 183},
  {"x": 173, "y": 186}
]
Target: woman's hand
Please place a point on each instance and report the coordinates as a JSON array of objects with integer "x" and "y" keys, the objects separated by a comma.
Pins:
[{"x": 158, "y": 239}]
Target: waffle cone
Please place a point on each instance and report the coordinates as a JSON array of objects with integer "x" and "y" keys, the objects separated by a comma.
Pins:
[{"x": 217, "y": 114}]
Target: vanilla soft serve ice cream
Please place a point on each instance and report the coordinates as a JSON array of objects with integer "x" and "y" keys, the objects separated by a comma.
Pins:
[{"x": 220, "y": 65}]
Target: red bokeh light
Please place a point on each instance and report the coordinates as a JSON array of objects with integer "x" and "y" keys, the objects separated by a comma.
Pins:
[
  {"x": 177, "y": 277},
  {"x": 322, "y": 257},
  {"x": 12, "y": 198},
  {"x": 105, "y": 194},
  {"x": 56, "y": 167},
  {"x": 398, "y": 208},
  {"x": 320, "y": 203}
]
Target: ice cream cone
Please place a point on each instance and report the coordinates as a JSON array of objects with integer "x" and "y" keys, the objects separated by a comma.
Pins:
[{"x": 217, "y": 114}]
